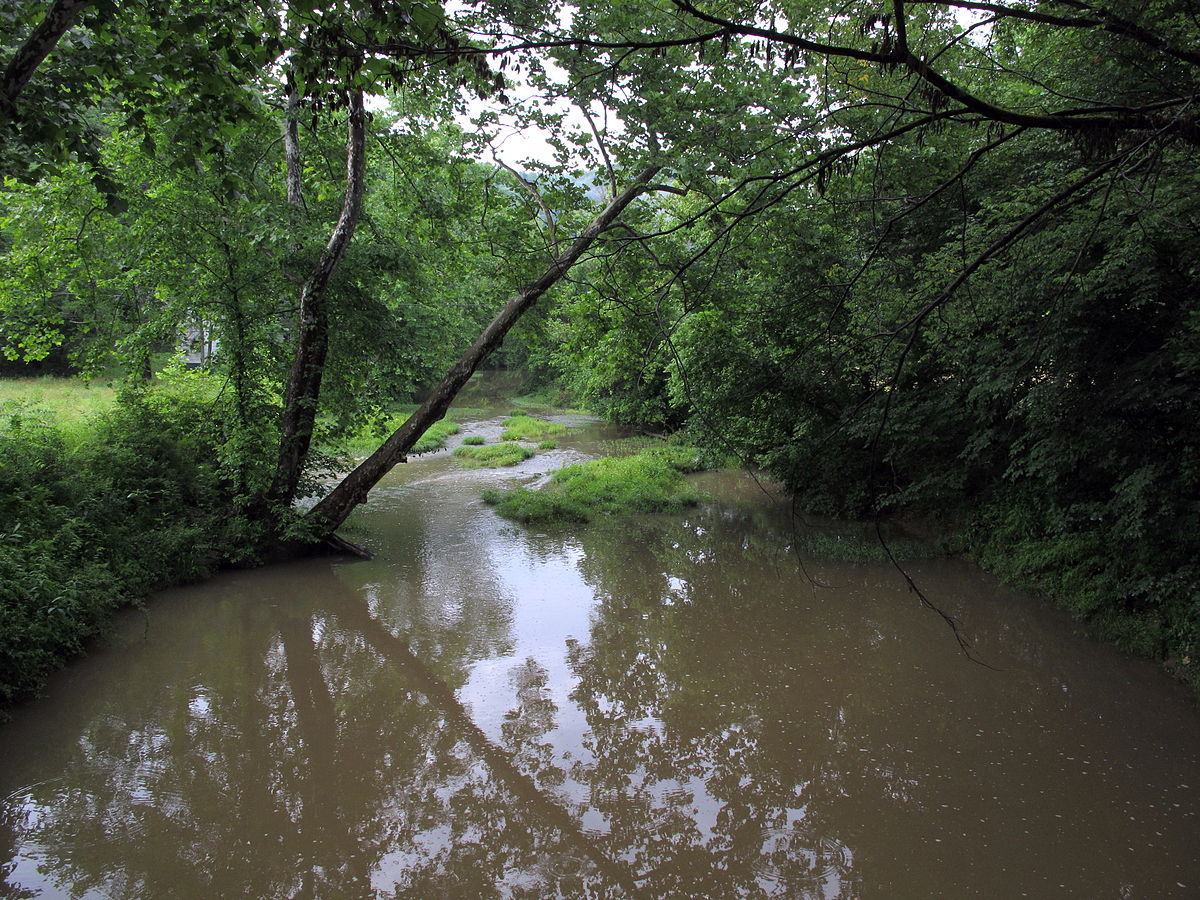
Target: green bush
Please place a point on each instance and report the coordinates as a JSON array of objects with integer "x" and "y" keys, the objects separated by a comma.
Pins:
[
  {"x": 649, "y": 481},
  {"x": 150, "y": 501}
]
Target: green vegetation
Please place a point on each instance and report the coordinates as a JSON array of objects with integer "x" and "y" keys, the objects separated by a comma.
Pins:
[
  {"x": 493, "y": 455},
  {"x": 910, "y": 276},
  {"x": 552, "y": 396},
  {"x": 474, "y": 440},
  {"x": 548, "y": 445},
  {"x": 90, "y": 527},
  {"x": 647, "y": 482},
  {"x": 368, "y": 437},
  {"x": 70, "y": 404},
  {"x": 529, "y": 428}
]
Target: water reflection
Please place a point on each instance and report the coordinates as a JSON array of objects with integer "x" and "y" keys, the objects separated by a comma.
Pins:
[{"x": 663, "y": 709}]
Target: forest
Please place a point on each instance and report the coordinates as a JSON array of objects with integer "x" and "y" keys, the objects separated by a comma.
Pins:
[{"x": 922, "y": 260}]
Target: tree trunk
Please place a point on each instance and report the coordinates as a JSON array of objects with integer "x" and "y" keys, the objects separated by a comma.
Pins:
[
  {"x": 312, "y": 339},
  {"x": 291, "y": 150},
  {"x": 327, "y": 515}
]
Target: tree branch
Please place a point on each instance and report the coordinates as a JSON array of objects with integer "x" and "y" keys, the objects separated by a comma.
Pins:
[{"x": 44, "y": 38}]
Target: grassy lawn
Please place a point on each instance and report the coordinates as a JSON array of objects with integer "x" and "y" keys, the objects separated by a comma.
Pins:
[{"x": 70, "y": 404}]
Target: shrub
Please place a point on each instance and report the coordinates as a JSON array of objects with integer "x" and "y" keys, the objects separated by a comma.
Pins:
[{"x": 145, "y": 504}]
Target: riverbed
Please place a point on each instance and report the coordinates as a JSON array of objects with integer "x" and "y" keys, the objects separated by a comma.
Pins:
[{"x": 661, "y": 707}]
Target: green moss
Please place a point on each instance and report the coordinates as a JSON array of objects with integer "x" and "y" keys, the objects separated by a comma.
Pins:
[
  {"x": 474, "y": 440},
  {"x": 529, "y": 428},
  {"x": 650, "y": 481},
  {"x": 493, "y": 455}
]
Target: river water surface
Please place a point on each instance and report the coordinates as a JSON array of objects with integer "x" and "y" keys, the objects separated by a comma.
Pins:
[{"x": 664, "y": 707}]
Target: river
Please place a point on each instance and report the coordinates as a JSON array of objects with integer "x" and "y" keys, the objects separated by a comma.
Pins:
[{"x": 661, "y": 707}]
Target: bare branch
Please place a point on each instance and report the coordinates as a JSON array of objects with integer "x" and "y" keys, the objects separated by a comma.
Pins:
[{"x": 532, "y": 190}]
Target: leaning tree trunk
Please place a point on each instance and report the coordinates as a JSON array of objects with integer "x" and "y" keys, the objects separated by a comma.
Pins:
[
  {"x": 44, "y": 38},
  {"x": 312, "y": 340},
  {"x": 327, "y": 515}
]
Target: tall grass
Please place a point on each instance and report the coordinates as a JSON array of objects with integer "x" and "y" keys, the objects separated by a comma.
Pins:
[
  {"x": 71, "y": 405},
  {"x": 492, "y": 455},
  {"x": 529, "y": 428}
]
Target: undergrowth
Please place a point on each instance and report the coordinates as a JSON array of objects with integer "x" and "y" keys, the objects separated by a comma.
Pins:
[{"x": 87, "y": 528}]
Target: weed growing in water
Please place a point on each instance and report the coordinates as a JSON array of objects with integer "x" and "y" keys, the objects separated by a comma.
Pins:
[
  {"x": 649, "y": 481},
  {"x": 493, "y": 455},
  {"x": 529, "y": 428}
]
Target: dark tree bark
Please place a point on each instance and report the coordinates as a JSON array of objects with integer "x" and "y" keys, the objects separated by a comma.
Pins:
[
  {"x": 327, "y": 515},
  {"x": 312, "y": 339},
  {"x": 44, "y": 38}
]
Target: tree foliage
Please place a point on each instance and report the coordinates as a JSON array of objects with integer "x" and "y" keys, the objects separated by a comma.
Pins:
[{"x": 932, "y": 257}]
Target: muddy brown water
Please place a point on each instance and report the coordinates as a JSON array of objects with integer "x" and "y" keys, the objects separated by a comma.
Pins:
[{"x": 662, "y": 707}]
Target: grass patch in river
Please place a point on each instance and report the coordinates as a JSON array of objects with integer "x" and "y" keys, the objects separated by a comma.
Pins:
[
  {"x": 493, "y": 455},
  {"x": 529, "y": 428},
  {"x": 474, "y": 440},
  {"x": 650, "y": 481},
  {"x": 548, "y": 445}
]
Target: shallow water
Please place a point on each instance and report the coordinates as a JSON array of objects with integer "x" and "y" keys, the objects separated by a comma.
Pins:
[{"x": 662, "y": 707}]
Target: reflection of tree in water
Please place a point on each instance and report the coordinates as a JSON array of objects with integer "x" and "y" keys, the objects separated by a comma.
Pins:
[
  {"x": 270, "y": 768},
  {"x": 273, "y": 768},
  {"x": 715, "y": 750}
]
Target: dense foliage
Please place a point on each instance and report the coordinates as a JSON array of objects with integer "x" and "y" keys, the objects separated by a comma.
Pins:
[
  {"x": 995, "y": 330},
  {"x": 92, "y": 526}
]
